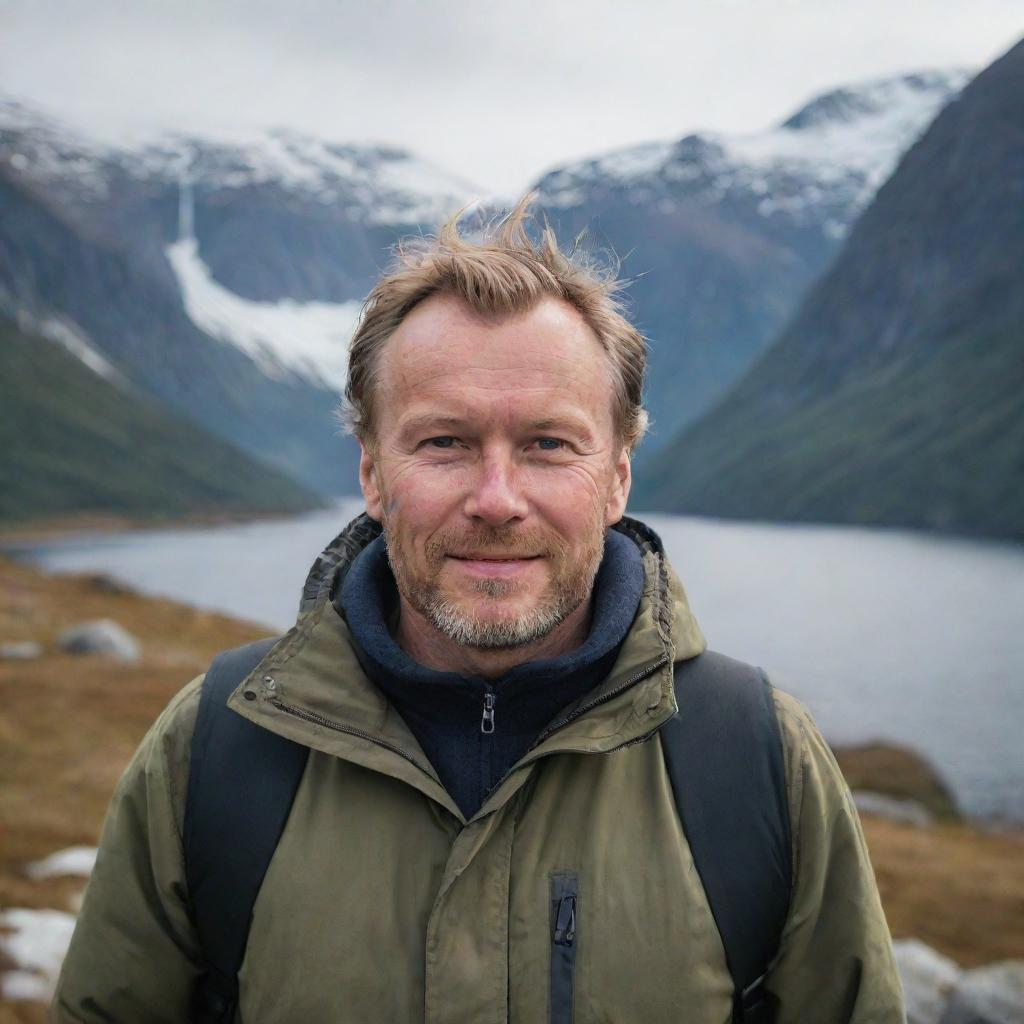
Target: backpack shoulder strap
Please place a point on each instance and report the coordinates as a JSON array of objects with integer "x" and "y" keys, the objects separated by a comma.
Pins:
[
  {"x": 723, "y": 753},
  {"x": 242, "y": 780}
]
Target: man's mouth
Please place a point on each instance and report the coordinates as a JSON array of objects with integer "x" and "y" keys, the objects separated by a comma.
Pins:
[
  {"x": 484, "y": 564},
  {"x": 474, "y": 557}
]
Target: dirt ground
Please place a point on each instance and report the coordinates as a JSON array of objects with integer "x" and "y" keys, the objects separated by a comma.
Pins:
[{"x": 68, "y": 725}]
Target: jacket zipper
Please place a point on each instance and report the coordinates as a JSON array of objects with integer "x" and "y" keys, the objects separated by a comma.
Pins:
[
  {"x": 565, "y": 890},
  {"x": 310, "y": 716},
  {"x": 487, "y": 721}
]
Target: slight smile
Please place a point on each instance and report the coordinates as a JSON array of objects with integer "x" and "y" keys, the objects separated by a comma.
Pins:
[{"x": 488, "y": 565}]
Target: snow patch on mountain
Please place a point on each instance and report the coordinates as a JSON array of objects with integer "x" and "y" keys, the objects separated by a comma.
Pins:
[
  {"x": 64, "y": 332},
  {"x": 371, "y": 183},
  {"x": 822, "y": 165},
  {"x": 861, "y": 131},
  {"x": 305, "y": 338}
]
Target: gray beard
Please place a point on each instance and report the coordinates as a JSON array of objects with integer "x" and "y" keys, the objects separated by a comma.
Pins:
[{"x": 469, "y": 631}]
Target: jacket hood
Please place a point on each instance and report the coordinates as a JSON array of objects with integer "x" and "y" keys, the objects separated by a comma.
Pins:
[{"x": 312, "y": 689}]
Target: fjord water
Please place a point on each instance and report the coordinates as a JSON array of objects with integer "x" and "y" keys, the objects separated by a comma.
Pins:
[{"x": 895, "y": 636}]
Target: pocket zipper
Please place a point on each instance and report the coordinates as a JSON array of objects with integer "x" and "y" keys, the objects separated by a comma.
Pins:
[{"x": 565, "y": 895}]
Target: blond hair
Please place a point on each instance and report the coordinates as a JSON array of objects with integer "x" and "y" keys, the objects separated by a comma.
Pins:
[{"x": 503, "y": 274}]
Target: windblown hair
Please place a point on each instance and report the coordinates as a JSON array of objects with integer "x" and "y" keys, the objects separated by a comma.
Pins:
[{"x": 503, "y": 274}]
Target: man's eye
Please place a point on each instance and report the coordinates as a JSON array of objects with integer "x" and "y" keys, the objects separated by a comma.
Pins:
[
  {"x": 550, "y": 444},
  {"x": 442, "y": 442}
]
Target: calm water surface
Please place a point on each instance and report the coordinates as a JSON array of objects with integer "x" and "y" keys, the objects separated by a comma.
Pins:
[{"x": 884, "y": 635}]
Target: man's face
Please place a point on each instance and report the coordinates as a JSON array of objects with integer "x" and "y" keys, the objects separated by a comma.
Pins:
[{"x": 495, "y": 468}]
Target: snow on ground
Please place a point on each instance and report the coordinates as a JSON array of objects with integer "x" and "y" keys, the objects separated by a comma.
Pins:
[
  {"x": 75, "y": 860},
  {"x": 307, "y": 338},
  {"x": 36, "y": 940}
]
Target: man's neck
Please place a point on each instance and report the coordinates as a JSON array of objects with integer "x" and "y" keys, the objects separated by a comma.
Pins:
[{"x": 426, "y": 644}]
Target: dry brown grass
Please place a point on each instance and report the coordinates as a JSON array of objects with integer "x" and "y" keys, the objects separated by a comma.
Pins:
[
  {"x": 958, "y": 889},
  {"x": 69, "y": 724}
]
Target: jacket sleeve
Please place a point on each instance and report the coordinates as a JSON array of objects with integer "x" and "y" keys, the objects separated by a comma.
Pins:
[
  {"x": 835, "y": 964},
  {"x": 134, "y": 957}
]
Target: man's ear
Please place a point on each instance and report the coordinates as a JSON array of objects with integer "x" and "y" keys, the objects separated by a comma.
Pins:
[
  {"x": 615, "y": 507},
  {"x": 368, "y": 481}
]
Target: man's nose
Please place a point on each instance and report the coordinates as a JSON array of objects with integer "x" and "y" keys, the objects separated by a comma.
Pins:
[{"x": 497, "y": 494}]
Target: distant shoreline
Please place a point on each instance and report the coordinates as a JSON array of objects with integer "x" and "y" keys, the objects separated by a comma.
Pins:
[{"x": 15, "y": 536}]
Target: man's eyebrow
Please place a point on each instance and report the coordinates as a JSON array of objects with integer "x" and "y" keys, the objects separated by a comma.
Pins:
[
  {"x": 571, "y": 423},
  {"x": 429, "y": 420}
]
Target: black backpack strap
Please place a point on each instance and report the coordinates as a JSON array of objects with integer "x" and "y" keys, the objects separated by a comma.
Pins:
[
  {"x": 723, "y": 752},
  {"x": 242, "y": 780}
]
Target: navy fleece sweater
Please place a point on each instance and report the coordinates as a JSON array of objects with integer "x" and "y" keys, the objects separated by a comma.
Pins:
[{"x": 444, "y": 710}]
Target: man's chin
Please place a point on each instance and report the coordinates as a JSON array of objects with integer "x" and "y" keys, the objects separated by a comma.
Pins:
[{"x": 491, "y": 628}]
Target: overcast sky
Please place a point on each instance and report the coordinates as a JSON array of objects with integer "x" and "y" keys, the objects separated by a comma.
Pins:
[{"x": 497, "y": 90}]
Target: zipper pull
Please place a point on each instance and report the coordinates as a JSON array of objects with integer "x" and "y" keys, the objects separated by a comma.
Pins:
[
  {"x": 487, "y": 722},
  {"x": 565, "y": 922}
]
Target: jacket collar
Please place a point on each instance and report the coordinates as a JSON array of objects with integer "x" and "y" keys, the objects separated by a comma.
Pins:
[{"x": 312, "y": 689}]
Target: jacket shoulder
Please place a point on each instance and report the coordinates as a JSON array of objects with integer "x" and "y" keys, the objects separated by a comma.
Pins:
[
  {"x": 835, "y": 962},
  {"x": 812, "y": 772},
  {"x": 166, "y": 750}
]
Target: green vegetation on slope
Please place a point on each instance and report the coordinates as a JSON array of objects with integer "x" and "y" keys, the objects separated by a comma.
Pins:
[
  {"x": 72, "y": 442},
  {"x": 894, "y": 396},
  {"x": 934, "y": 445}
]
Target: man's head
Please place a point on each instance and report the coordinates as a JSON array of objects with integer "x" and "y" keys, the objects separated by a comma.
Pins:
[{"x": 495, "y": 390}]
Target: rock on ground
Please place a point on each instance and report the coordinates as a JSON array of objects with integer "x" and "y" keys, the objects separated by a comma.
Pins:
[
  {"x": 910, "y": 812},
  {"x": 20, "y": 650},
  {"x": 928, "y": 979},
  {"x": 103, "y": 636},
  {"x": 988, "y": 995}
]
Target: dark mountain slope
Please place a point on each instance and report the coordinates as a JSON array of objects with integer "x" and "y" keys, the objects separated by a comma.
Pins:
[
  {"x": 895, "y": 395},
  {"x": 72, "y": 441}
]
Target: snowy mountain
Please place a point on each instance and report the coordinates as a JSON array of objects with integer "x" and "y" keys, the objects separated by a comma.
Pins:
[
  {"x": 893, "y": 396},
  {"x": 382, "y": 190},
  {"x": 372, "y": 184},
  {"x": 225, "y": 278},
  {"x": 724, "y": 233},
  {"x": 821, "y": 166}
]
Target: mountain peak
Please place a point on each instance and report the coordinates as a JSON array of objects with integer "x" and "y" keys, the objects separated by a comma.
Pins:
[
  {"x": 374, "y": 182},
  {"x": 873, "y": 97},
  {"x": 822, "y": 164}
]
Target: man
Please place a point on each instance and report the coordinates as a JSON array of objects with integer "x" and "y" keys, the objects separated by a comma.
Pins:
[{"x": 485, "y": 828}]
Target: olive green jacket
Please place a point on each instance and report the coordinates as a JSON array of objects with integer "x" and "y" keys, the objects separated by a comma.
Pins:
[{"x": 382, "y": 903}]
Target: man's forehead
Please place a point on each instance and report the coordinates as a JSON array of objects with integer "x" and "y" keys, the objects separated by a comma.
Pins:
[
  {"x": 545, "y": 364},
  {"x": 444, "y": 335}
]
